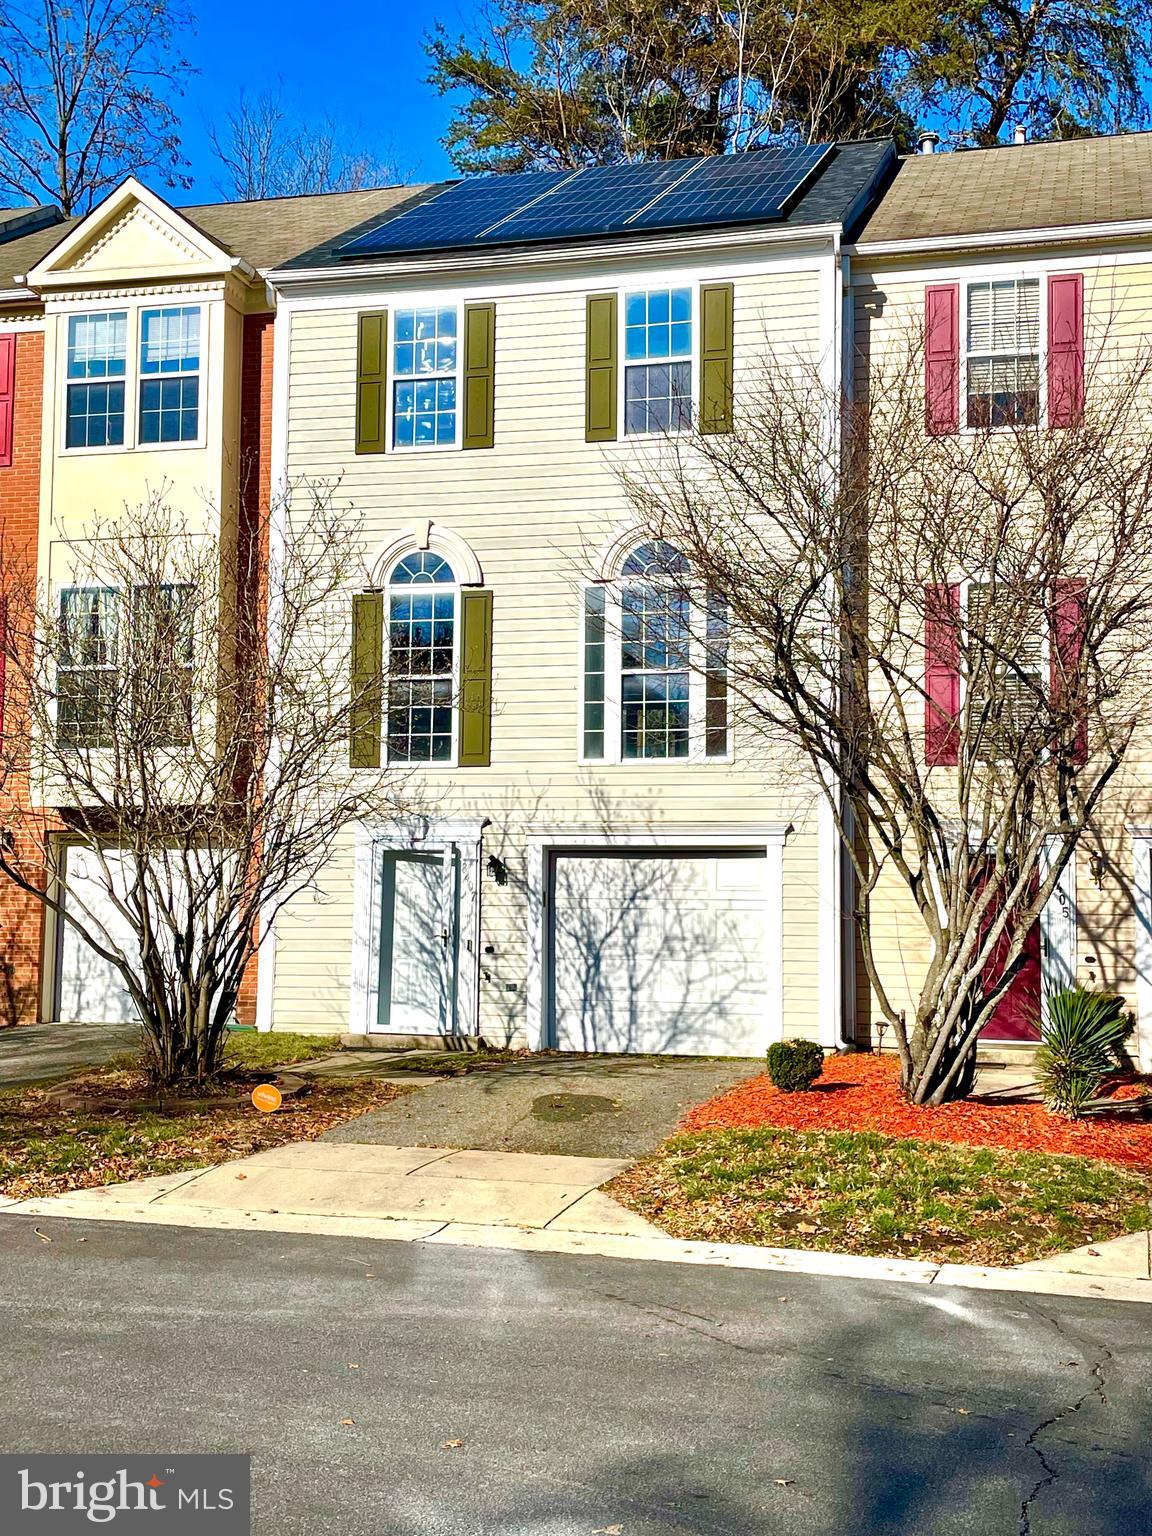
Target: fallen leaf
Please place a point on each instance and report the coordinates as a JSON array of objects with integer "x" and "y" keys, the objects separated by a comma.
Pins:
[
  {"x": 963, "y": 1410},
  {"x": 241, "y": 1175},
  {"x": 608, "y": 1530},
  {"x": 451, "y": 1445},
  {"x": 806, "y": 1226},
  {"x": 347, "y": 1421},
  {"x": 784, "y": 1482},
  {"x": 352, "y": 1367},
  {"x": 43, "y": 1236}
]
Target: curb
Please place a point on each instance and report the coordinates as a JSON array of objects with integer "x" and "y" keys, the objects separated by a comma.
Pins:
[{"x": 666, "y": 1250}]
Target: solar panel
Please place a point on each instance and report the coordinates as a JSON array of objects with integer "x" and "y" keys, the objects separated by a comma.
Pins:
[
  {"x": 729, "y": 189},
  {"x": 457, "y": 216},
  {"x": 597, "y": 201},
  {"x": 601, "y": 200}
]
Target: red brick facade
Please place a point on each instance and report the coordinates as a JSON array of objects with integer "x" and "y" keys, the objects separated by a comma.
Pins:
[
  {"x": 21, "y": 916},
  {"x": 255, "y": 492}
]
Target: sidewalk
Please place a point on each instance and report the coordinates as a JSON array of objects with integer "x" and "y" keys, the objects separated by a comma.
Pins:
[{"x": 523, "y": 1202}]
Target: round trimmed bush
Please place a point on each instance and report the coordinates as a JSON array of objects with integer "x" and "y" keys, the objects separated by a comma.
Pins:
[{"x": 794, "y": 1065}]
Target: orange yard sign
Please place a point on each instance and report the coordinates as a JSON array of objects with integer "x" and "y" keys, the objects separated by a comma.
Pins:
[{"x": 267, "y": 1097}]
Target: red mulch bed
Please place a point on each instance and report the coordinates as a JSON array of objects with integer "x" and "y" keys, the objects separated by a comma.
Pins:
[{"x": 862, "y": 1093}]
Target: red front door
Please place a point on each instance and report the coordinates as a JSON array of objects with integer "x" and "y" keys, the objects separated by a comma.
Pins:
[{"x": 1018, "y": 1010}]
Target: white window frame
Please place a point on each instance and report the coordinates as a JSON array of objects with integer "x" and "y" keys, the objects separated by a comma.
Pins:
[
  {"x": 453, "y": 587},
  {"x": 69, "y": 383},
  {"x": 142, "y": 378},
  {"x": 132, "y": 376},
  {"x": 395, "y": 309},
  {"x": 657, "y": 283},
  {"x": 614, "y": 687},
  {"x": 975, "y": 279}
]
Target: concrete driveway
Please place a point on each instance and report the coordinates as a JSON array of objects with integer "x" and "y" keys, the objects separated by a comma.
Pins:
[
  {"x": 37, "y": 1053},
  {"x": 609, "y": 1106}
]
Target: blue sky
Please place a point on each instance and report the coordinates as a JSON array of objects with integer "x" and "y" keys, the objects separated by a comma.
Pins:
[{"x": 362, "y": 65}]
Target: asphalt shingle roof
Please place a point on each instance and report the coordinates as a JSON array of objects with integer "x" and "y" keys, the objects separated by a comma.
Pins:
[
  {"x": 265, "y": 233},
  {"x": 1017, "y": 187}
]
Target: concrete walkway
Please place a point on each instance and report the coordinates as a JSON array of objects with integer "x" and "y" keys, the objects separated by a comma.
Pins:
[
  {"x": 417, "y": 1192},
  {"x": 38, "y": 1053}
]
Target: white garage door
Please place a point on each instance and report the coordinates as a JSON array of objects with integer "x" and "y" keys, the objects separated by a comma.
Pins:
[
  {"x": 660, "y": 953},
  {"x": 92, "y": 991}
]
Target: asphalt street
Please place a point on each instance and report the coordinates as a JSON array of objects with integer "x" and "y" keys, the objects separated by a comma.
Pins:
[{"x": 399, "y": 1389}]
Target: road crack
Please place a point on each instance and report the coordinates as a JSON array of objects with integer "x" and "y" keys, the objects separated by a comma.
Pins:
[{"x": 1096, "y": 1388}]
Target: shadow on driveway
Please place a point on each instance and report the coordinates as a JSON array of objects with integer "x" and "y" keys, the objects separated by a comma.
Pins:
[{"x": 37, "y": 1053}]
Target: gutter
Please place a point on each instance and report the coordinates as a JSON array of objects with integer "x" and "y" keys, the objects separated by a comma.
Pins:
[
  {"x": 1061, "y": 234},
  {"x": 534, "y": 256}
]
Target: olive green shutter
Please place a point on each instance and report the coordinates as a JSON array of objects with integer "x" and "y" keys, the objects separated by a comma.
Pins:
[
  {"x": 475, "y": 678},
  {"x": 479, "y": 374},
  {"x": 371, "y": 382},
  {"x": 600, "y": 368},
  {"x": 367, "y": 679},
  {"x": 716, "y": 357}
]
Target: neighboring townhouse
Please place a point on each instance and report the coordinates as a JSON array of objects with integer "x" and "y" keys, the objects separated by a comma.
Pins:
[
  {"x": 602, "y": 862},
  {"x": 135, "y": 360},
  {"x": 1018, "y": 266}
]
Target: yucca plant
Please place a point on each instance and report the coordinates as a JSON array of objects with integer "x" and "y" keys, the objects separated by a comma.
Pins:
[{"x": 1081, "y": 1040}]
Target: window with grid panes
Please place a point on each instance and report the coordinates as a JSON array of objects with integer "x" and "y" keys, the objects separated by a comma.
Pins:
[
  {"x": 1003, "y": 353},
  {"x": 421, "y": 659},
  {"x": 658, "y": 360}
]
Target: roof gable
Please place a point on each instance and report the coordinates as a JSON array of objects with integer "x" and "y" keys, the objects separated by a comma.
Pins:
[{"x": 132, "y": 235}]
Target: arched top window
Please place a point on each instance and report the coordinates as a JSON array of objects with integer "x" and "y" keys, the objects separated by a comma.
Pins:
[
  {"x": 422, "y": 568},
  {"x": 422, "y": 647},
  {"x": 655, "y": 660},
  {"x": 655, "y": 558}
]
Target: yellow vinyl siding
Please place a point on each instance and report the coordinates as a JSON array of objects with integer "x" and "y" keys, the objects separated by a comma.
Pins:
[{"x": 536, "y": 508}]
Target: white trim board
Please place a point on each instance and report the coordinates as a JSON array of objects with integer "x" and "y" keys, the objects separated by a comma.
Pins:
[
  {"x": 542, "y": 846},
  {"x": 1142, "y": 858}
]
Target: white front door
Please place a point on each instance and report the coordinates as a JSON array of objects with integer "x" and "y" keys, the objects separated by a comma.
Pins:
[
  {"x": 661, "y": 952},
  {"x": 419, "y": 905},
  {"x": 92, "y": 990}
]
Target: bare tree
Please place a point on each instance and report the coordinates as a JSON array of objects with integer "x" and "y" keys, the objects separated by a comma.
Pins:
[
  {"x": 951, "y": 633},
  {"x": 87, "y": 95},
  {"x": 181, "y": 710},
  {"x": 264, "y": 150}
]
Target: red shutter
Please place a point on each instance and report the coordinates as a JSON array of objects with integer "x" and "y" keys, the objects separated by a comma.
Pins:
[
  {"x": 942, "y": 358},
  {"x": 1065, "y": 349},
  {"x": 941, "y": 676},
  {"x": 7, "y": 396},
  {"x": 1067, "y": 636}
]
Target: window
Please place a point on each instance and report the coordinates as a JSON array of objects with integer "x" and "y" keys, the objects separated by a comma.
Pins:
[
  {"x": 163, "y": 637},
  {"x": 658, "y": 360},
  {"x": 87, "y": 674},
  {"x": 655, "y": 663},
  {"x": 424, "y": 378},
  {"x": 421, "y": 659},
  {"x": 97, "y": 364},
  {"x": 655, "y": 632},
  {"x": 98, "y": 642},
  {"x": 170, "y": 375},
  {"x": 1003, "y": 353},
  {"x": 1008, "y": 668}
]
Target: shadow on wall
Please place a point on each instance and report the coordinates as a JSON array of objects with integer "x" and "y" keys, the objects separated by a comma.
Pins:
[{"x": 650, "y": 956}]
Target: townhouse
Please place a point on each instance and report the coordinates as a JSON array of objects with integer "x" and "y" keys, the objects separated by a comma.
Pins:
[
  {"x": 1027, "y": 271},
  {"x": 135, "y": 361},
  {"x": 599, "y": 859}
]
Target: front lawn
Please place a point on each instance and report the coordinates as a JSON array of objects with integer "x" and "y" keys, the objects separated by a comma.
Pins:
[
  {"x": 46, "y": 1148},
  {"x": 870, "y": 1194}
]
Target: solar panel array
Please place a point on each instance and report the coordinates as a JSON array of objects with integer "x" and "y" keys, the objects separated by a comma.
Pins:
[{"x": 758, "y": 185}]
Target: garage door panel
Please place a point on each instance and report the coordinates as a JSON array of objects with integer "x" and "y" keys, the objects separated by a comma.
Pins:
[{"x": 660, "y": 953}]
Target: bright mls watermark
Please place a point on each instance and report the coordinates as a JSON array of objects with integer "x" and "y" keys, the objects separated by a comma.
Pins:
[{"x": 60, "y": 1495}]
